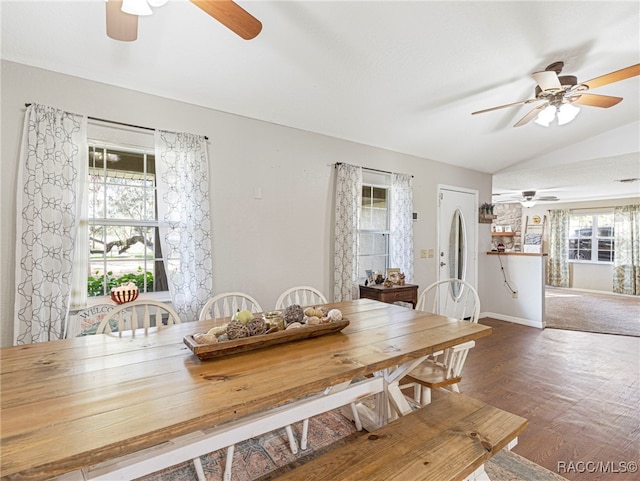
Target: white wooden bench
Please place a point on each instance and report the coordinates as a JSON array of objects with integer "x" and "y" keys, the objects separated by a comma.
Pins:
[{"x": 447, "y": 440}]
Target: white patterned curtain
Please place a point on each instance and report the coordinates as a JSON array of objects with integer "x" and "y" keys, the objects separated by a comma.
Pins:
[
  {"x": 347, "y": 213},
  {"x": 558, "y": 261},
  {"x": 52, "y": 170},
  {"x": 626, "y": 264},
  {"x": 185, "y": 225},
  {"x": 401, "y": 224}
]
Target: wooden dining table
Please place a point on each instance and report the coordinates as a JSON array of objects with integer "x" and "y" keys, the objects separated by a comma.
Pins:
[{"x": 70, "y": 404}]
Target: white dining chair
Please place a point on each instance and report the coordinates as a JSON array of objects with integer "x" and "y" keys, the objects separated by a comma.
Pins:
[
  {"x": 143, "y": 314},
  {"x": 301, "y": 295},
  {"x": 306, "y": 296},
  {"x": 442, "y": 370},
  {"x": 227, "y": 304},
  {"x": 219, "y": 306},
  {"x": 137, "y": 315}
]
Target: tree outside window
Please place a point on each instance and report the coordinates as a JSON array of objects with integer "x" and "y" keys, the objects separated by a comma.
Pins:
[{"x": 122, "y": 218}]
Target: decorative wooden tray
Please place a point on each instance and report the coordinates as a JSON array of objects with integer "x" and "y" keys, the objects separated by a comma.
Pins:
[{"x": 224, "y": 348}]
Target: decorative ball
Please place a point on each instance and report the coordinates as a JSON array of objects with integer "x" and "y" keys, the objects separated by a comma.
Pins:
[
  {"x": 237, "y": 330},
  {"x": 313, "y": 321},
  {"x": 313, "y": 311},
  {"x": 218, "y": 330},
  {"x": 293, "y": 325},
  {"x": 201, "y": 338},
  {"x": 335, "y": 315},
  {"x": 293, "y": 313},
  {"x": 256, "y": 326}
]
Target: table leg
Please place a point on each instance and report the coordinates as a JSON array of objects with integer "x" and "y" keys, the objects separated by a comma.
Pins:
[{"x": 390, "y": 403}]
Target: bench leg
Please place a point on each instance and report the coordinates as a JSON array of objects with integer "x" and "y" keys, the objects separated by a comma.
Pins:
[
  {"x": 199, "y": 471},
  {"x": 229, "y": 463},
  {"x": 305, "y": 434},
  {"x": 292, "y": 440}
]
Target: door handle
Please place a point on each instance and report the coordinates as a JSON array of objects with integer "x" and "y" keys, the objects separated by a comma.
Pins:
[{"x": 442, "y": 264}]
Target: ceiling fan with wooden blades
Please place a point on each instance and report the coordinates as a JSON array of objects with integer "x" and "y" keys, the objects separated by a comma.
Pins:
[
  {"x": 560, "y": 93},
  {"x": 122, "y": 17}
]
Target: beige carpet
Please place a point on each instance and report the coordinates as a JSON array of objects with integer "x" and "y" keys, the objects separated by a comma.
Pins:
[
  {"x": 592, "y": 312},
  {"x": 266, "y": 457}
]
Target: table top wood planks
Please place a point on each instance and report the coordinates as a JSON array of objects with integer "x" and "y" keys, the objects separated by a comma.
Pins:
[{"x": 72, "y": 403}]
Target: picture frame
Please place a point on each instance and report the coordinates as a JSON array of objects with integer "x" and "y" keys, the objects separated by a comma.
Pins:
[
  {"x": 370, "y": 277},
  {"x": 499, "y": 228},
  {"x": 507, "y": 228},
  {"x": 393, "y": 274}
]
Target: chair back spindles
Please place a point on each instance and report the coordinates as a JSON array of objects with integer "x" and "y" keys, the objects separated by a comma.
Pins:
[
  {"x": 451, "y": 298},
  {"x": 227, "y": 304},
  {"x": 127, "y": 317},
  {"x": 301, "y": 295}
]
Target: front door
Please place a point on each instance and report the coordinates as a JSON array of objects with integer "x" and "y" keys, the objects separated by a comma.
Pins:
[{"x": 457, "y": 234}]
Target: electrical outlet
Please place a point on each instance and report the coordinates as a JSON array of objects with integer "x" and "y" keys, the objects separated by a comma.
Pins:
[
  {"x": 423, "y": 253},
  {"x": 514, "y": 294}
]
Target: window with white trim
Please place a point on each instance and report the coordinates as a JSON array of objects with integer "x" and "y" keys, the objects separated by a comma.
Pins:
[
  {"x": 373, "y": 231},
  {"x": 591, "y": 237},
  {"x": 123, "y": 221}
]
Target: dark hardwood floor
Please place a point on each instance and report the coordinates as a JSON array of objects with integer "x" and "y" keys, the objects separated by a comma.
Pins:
[{"x": 580, "y": 392}]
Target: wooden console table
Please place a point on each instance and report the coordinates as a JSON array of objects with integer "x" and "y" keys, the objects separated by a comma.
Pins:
[{"x": 406, "y": 293}]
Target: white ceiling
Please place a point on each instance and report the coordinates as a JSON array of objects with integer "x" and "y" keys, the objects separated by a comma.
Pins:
[{"x": 404, "y": 76}]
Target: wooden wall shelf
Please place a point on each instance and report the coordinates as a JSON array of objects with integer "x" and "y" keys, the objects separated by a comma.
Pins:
[
  {"x": 486, "y": 218},
  {"x": 503, "y": 234}
]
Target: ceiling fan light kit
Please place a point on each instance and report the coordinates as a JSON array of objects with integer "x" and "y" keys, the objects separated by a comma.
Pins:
[
  {"x": 565, "y": 114},
  {"x": 122, "y": 17},
  {"x": 136, "y": 7},
  {"x": 558, "y": 94}
]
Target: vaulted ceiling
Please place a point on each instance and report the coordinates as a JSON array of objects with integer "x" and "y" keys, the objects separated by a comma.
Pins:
[{"x": 404, "y": 76}]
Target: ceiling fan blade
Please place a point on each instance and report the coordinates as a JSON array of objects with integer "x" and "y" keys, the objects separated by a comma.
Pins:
[
  {"x": 593, "y": 100},
  {"x": 528, "y": 101},
  {"x": 611, "y": 77},
  {"x": 547, "y": 198},
  {"x": 531, "y": 115},
  {"x": 232, "y": 16},
  {"x": 547, "y": 80},
  {"x": 120, "y": 26}
]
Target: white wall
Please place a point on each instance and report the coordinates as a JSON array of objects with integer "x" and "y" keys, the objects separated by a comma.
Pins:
[
  {"x": 525, "y": 275},
  {"x": 259, "y": 246},
  {"x": 582, "y": 275}
]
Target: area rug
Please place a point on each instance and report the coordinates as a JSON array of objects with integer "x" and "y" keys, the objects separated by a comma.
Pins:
[
  {"x": 592, "y": 312},
  {"x": 268, "y": 456}
]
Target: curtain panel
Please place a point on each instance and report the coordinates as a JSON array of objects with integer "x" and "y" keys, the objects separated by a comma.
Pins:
[
  {"x": 626, "y": 264},
  {"x": 185, "y": 224},
  {"x": 51, "y": 175},
  {"x": 558, "y": 260},
  {"x": 347, "y": 214},
  {"x": 401, "y": 225}
]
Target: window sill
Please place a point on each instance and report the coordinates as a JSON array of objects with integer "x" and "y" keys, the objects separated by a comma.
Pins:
[
  {"x": 578, "y": 261},
  {"x": 162, "y": 296}
]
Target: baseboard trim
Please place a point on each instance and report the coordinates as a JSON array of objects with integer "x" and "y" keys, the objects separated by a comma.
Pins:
[
  {"x": 593, "y": 291},
  {"x": 515, "y": 320}
]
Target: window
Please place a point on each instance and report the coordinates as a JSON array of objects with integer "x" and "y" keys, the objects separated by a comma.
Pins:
[
  {"x": 591, "y": 237},
  {"x": 373, "y": 231},
  {"x": 123, "y": 221}
]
